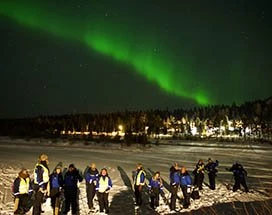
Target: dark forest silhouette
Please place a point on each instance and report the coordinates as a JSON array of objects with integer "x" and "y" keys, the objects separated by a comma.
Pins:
[{"x": 139, "y": 125}]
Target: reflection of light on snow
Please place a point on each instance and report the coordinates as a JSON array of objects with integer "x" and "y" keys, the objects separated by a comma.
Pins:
[
  {"x": 210, "y": 131},
  {"x": 76, "y": 132},
  {"x": 248, "y": 130},
  {"x": 171, "y": 130},
  {"x": 114, "y": 133},
  {"x": 193, "y": 131},
  {"x": 231, "y": 128},
  {"x": 222, "y": 128},
  {"x": 164, "y": 135}
]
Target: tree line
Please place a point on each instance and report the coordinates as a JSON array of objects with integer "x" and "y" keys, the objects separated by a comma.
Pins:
[{"x": 256, "y": 115}]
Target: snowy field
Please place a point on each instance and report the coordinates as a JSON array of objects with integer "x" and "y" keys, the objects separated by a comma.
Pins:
[{"x": 120, "y": 161}]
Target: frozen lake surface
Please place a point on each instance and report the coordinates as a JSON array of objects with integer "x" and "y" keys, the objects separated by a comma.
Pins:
[{"x": 121, "y": 161}]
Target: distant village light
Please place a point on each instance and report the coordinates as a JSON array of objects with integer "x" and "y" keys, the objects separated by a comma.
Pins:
[{"x": 120, "y": 127}]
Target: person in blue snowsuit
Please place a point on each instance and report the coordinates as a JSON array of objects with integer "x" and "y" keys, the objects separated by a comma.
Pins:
[
  {"x": 71, "y": 179},
  {"x": 211, "y": 169},
  {"x": 185, "y": 184},
  {"x": 239, "y": 174},
  {"x": 139, "y": 182},
  {"x": 155, "y": 187},
  {"x": 91, "y": 177},
  {"x": 103, "y": 186},
  {"x": 174, "y": 185},
  {"x": 56, "y": 184}
]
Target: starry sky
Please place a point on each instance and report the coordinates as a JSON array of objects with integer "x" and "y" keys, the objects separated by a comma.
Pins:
[{"x": 77, "y": 56}]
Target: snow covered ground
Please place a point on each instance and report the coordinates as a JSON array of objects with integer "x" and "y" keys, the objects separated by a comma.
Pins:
[{"x": 120, "y": 161}]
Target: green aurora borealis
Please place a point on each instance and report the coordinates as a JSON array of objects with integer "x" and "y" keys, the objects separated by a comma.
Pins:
[
  {"x": 177, "y": 71},
  {"x": 116, "y": 44}
]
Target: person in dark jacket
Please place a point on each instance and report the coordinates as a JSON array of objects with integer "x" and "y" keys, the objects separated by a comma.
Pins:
[
  {"x": 22, "y": 190},
  {"x": 91, "y": 177},
  {"x": 174, "y": 185},
  {"x": 71, "y": 178},
  {"x": 139, "y": 182},
  {"x": 239, "y": 174},
  {"x": 185, "y": 184},
  {"x": 199, "y": 174},
  {"x": 211, "y": 168},
  {"x": 41, "y": 184},
  {"x": 155, "y": 187},
  {"x": 56, "y": 184},
  {"x": 103, "y": 186}
]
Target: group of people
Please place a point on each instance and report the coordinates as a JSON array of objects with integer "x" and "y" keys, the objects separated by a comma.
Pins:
[
  {"x": 180, "y": 178},
  {"x": 59, "y": 185},
  {"x": 62, "y": 185}
]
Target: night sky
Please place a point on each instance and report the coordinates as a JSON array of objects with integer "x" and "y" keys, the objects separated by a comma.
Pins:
[{"x": 77, "y": 56}]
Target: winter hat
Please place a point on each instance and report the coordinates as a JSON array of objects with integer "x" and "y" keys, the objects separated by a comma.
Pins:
[{"x": 71, "y": 166}]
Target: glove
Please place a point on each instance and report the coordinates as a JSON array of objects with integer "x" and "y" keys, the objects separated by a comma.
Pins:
[{"x": 107, "y": 190}]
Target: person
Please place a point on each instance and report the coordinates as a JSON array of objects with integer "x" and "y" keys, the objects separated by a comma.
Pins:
[
  {"x": 56, "y": 184},
  {"x": 211, "y": 168},
  {"x": 199, "y": 174},
  {"x": 185, "y": 184},
  {"x": 103, "y": 186},
  {"x": 239, "y": 174},
  {"x": 91, "y": 178},
  {"x": 139, "y": 182},
  {"x": 41, "y": 183},
  {"x": 71, "y": 179},
  {"x": 155, "y": 187},
  {"x": 174, "y": 185},
  {"x": 22, "y": 191}
]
